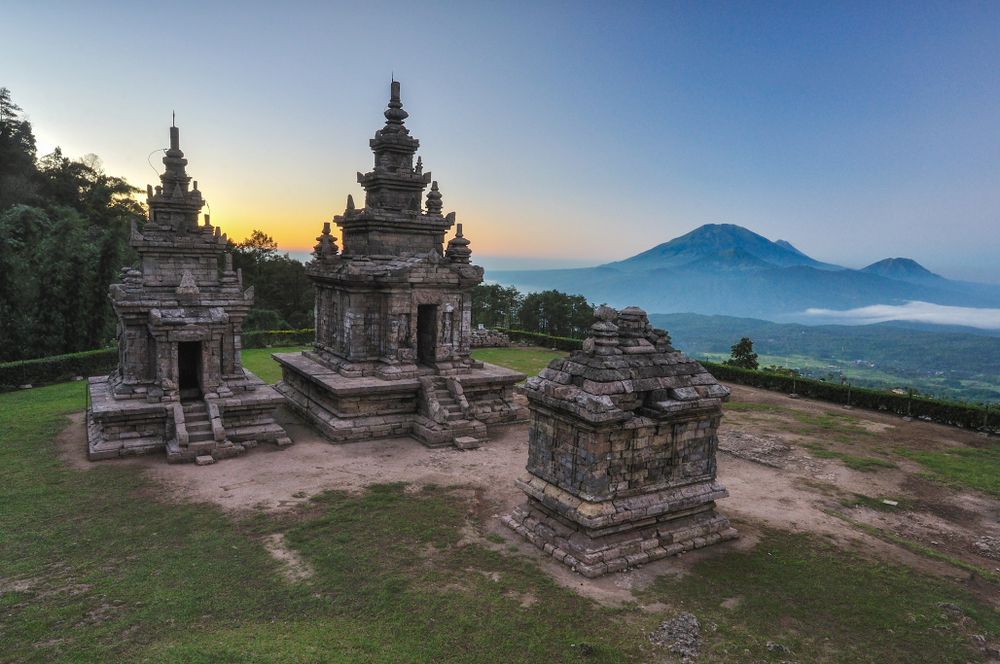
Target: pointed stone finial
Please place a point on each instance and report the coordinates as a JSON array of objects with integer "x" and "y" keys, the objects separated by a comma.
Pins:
[
  {"x": 326, "y": 246},
  {"x": 420, "y": 166},
  {"x": 458, "y": 248},
  {"x": 350, "y": 205},
  {"x": 208, "y": 221},
  {"x": 434, "y": 200},
  {"x": 394, "y": 114},
  {"x": 604, "y": 331}
]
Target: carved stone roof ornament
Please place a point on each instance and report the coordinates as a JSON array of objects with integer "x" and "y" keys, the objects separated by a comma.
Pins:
[{"x": 458, "y": 248}]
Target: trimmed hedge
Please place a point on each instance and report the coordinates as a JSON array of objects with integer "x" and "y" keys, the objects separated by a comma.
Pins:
[
  {"x": 57, "y": 368},
  {"x": 969, "y": 416},
  {"x": 965, "y": 415},
  {"x": 268, "y": 338},
  {"x": 955, "y": 413}
]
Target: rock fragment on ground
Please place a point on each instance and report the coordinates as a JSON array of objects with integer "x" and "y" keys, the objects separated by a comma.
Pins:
[{"x": 680, "y": 635}]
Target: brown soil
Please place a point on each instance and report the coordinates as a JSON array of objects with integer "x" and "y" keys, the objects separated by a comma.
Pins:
[{"x": 773, "y": 480}]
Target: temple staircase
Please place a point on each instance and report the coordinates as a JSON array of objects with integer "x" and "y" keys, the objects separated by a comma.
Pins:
[
  {"x": 451, "y": 421},
  {"x": 198, "y": 434}
]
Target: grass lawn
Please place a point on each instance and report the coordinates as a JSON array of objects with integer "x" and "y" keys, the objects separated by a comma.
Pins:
[
  {"x": 259, "y": 361},
  {"x": 529, "y": 360},
  {"x": 97, "y": 566},
  {"x": 975, "y": 467}
]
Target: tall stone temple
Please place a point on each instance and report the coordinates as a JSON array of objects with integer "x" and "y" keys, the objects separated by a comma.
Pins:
[
  {"x": 394, "y": 313},
  {"x": 180, "y": 385}
]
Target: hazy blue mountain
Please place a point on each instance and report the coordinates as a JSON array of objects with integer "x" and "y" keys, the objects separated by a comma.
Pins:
[
  {"x": 726, "y": 246},
  {"x": 727, "y": 269},
  {"x": 904, "y": 269}
]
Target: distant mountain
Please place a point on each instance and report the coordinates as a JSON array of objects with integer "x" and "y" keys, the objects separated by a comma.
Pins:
[
  {"x": 730, "y": 270},
  {"x": 904, "y": 269},
  {"x": 719, "y": 246}
]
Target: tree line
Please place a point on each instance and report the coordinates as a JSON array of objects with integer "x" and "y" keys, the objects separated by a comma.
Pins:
[
  {"x": 548, "y": 312},
  {"x": 64, "y": 230}
]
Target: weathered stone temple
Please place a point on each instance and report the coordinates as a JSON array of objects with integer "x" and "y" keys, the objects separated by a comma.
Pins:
[
  {"x": 393, "y": 315},
  {"x": 180, "y": 384},
  {"x": 621, "y": 451}
]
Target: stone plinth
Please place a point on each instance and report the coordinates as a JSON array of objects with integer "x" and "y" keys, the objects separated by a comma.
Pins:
[
  {"x": 394, "y": 315},
  {"x": 621, "y": 451},
  {"x": 180, "y": 385}
]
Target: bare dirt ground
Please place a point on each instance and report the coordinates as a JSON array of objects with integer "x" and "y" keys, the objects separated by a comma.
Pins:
[{"x": 774, "y": 480}]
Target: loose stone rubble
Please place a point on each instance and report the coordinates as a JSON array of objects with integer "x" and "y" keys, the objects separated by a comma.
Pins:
[
  {"x": 489, "y": 339},
  {"x": 621, "y": 451},
  {"x": 180, "y": 384},
  {"x": 394, "y": 314}
]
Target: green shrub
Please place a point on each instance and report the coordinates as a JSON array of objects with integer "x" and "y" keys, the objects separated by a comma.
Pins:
[
  {"x": 57, "y": 368},
  {"x": 267, "y": 338},
  {"x": 969, "y": 416}
]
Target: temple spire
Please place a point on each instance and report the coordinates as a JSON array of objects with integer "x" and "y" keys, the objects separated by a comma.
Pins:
[
  {"x": 458, "y": 248},
  {"x": 434, "y": 200},
  {"x": 394, "y": 114}
]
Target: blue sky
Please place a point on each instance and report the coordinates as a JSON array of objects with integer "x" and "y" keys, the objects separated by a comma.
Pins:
[{"x": 561, "y": 133}]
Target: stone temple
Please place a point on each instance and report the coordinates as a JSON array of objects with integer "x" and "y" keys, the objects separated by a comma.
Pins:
[
  {"x": 621, "y": 451},
  {"x": 180, "y": 385},
  {"x": 393, "y": 315}
]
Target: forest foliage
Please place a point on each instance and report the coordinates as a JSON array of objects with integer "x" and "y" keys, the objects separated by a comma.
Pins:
[
  {"x": 548, "y": 312},
  {"x": 64, "y": 231}
]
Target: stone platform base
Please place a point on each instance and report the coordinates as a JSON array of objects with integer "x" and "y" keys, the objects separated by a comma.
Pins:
[
  {"x": 435, "y": 410},
  {"x": 595, "y": 538},
  {"x": 219, "y": 427}
]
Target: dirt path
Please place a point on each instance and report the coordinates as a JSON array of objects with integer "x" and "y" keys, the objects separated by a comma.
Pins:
[{"x": 773, "y": 478}]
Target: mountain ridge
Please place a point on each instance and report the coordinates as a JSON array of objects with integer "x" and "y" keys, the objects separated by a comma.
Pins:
[{"x": 724, "y": 269}]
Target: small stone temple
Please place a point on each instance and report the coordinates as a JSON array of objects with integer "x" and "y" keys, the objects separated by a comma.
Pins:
[
  {"x": 394, "y": 315},
  {"x": 621, "y": 451},
  {"x": 180, "y": 385}
]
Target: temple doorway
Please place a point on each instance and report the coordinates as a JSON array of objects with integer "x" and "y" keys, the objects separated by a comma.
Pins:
[
  {"x": 426, "y": 333},
  {"x": 189, "y": 369}
]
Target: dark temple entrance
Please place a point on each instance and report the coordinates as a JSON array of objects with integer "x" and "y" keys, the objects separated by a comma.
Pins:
[
  {"x": 189, "y": 369},
  {"x": 426, "y": 333}
]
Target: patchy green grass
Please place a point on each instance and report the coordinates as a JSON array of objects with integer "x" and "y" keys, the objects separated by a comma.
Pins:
[
  {"x": 864, "y": 464},
  {"x": 753, "y": 407},
  {"x": 527, "y": 360},
  {"x": 260, "y": 362},
  {"x": 859, "y": 500},
  {"x": 917, "y": 547},
  {"x": 94, "y": 566},
  {"x": 824, "y": 605},
  {"x": 974, "y": 467}
]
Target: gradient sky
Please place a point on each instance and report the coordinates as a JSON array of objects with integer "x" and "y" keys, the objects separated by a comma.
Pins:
[{"x": 561, "y": 133}]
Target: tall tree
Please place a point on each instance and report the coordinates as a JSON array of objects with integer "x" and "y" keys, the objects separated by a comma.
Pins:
[
  {"x": 741, "y": 355},
  {"x": 556, "y": 313},
  {"x": 495, "y": 306}
]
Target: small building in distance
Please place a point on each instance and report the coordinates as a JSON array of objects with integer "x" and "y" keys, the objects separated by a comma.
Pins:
[
  {"x": 180, "y": 385},
  {"x": 394, "y": 315},
  {"x": 622, "y": 451}
]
